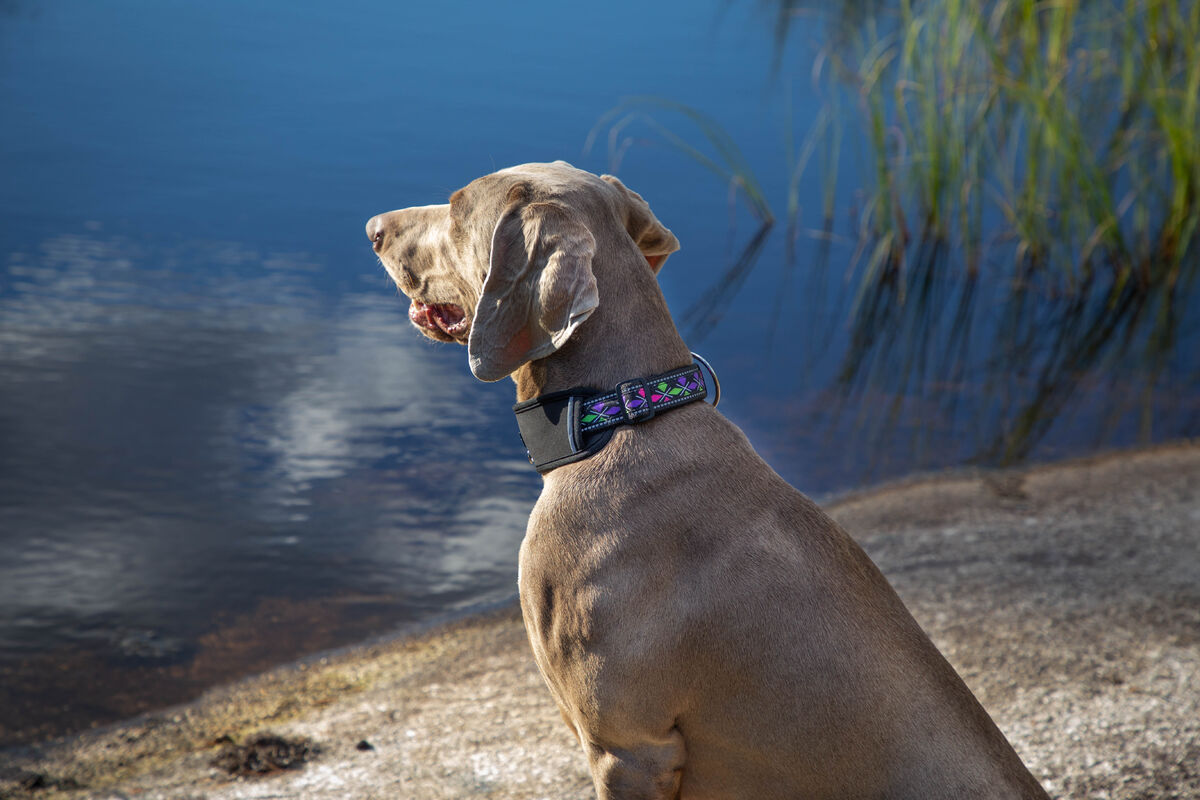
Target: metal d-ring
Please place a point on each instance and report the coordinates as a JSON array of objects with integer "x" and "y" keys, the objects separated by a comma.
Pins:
[{"x": 716, "y": 381}]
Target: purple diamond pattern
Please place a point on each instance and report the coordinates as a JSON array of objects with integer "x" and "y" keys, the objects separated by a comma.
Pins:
[{"x": 664, "y": 392}]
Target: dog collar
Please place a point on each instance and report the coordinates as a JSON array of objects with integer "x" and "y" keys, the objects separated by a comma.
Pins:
[{"x": 563, "y": 427}]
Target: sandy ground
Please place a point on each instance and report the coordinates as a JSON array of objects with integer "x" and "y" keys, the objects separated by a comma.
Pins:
[{"x": 1067, "y": 596}]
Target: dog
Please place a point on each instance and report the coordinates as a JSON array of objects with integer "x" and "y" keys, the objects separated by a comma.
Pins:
[{"x": 705, "y": 629}]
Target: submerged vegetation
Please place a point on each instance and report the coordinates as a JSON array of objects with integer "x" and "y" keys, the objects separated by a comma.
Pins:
[{"x": 1050, "y": 147}]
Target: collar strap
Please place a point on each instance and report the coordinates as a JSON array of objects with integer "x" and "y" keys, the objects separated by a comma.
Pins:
[{"x": 563, "y": 427}]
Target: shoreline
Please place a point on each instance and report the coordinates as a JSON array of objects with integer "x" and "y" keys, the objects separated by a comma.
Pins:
[{"x": 1066, "y": 594}]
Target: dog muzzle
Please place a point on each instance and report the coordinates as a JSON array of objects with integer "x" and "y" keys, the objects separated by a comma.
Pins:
[{"x": 564, "y": 427}]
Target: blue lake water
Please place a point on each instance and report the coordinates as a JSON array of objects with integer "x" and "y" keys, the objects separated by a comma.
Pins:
[{"x": 222, "y": 445}]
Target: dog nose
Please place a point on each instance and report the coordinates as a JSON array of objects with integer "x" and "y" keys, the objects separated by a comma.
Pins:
[{"x": 375, "y": 232}]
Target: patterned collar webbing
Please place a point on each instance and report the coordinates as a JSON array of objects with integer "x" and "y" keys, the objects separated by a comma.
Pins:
[
  {"x": 563, "y": 427},
  {"x": 636, "y": 400}
]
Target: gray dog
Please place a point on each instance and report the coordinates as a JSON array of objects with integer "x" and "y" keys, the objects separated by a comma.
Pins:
[{"x": 705, "y": 629}]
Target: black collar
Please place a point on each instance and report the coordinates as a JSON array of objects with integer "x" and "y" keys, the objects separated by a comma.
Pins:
[{"x": 563, "y": 427}]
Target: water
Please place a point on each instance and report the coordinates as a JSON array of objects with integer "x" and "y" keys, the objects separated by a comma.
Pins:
[{"x": 222, "y": 446}]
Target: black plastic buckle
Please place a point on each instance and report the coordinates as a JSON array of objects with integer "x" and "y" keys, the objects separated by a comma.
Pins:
[{"x": 635, "y": 400}]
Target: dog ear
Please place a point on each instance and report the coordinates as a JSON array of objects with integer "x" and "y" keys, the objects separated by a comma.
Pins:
[
  {"x": 539, "y": 288},
  {"x": 650, "y": 235}
]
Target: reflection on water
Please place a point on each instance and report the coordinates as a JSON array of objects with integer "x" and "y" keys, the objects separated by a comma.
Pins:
[
  {"x": 222, "y": 445},
  {"x": 1007, "y": 267},
  {"x": 1004, "y": 363},
  {"x": 932, "y": 366},
  {"x": 180, "y": 440}
]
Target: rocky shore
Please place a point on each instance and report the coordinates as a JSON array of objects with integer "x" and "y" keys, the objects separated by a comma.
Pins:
[{"x": 1067, "y": 596}]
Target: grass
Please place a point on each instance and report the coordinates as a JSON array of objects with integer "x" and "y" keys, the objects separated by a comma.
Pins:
[
  {"x": 726, "y": 160},
  {"x": 1058, "y": 134},
  {"x": 722, "y": 157},
  {"x": 1052, "y": 144},
  {"x": 1063, "y": 135}
]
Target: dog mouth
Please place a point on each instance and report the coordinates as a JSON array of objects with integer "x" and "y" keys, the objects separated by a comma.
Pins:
[{"x": 447, "y": 319}]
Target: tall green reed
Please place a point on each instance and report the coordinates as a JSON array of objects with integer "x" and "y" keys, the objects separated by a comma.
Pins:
[
  {"x": 1054, "y": 143},
  {"x": 1060, "y": 133},
  {"x": 1051, "y": 143}
]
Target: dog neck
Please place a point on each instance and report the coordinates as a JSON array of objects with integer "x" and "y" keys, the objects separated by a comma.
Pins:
[{"x": 630, "y": 334}]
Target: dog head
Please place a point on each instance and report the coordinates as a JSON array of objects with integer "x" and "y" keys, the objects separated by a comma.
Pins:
[{"x": 506, "y": 267}]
